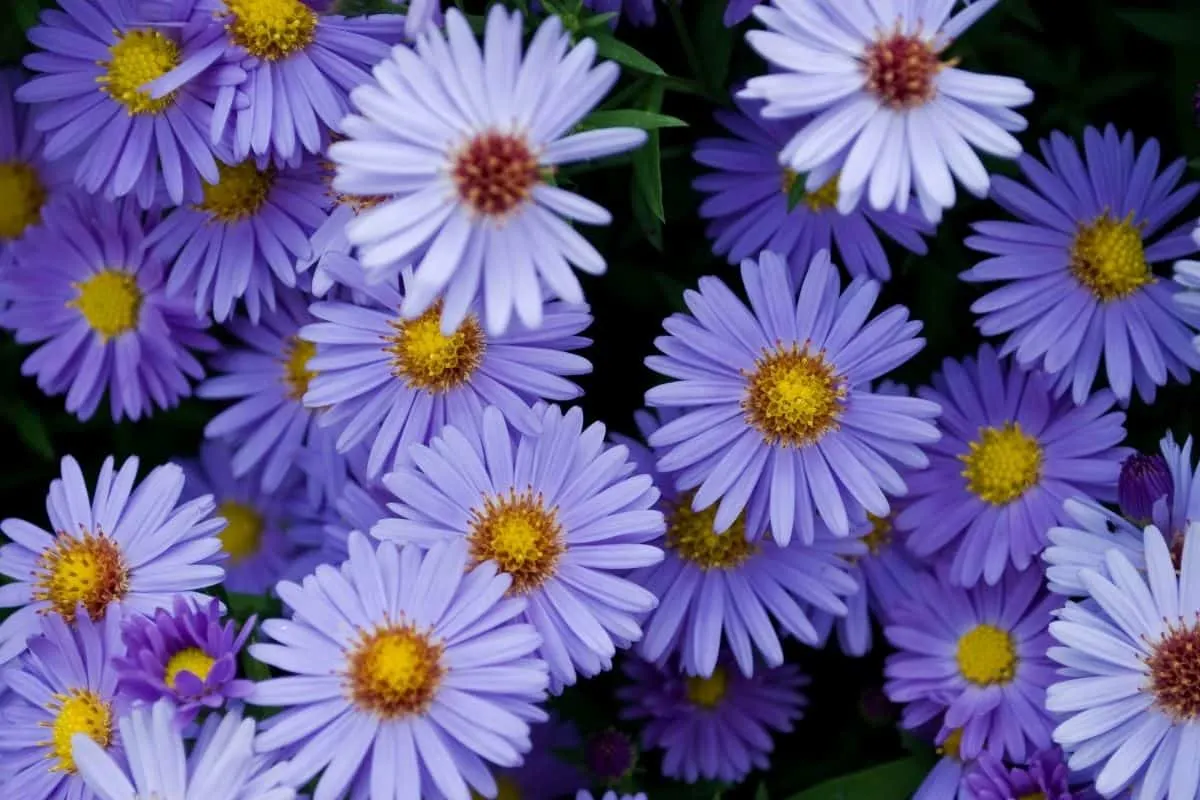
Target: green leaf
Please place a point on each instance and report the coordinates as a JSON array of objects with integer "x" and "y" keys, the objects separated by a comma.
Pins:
[
  {"x": 598, "y": 21},
  {"x": 608, "y": 46},
  {"x": 1164, "y": 26},
  {"x": 30, "y": 428},
  {"x": 715, "y": 42},
  {"x": 241, "y": 606},
  {"x": 647, "y": 162},
  {"x": 630, "y": 118},
  {"x": 796, "y": 192},
  {"x": 761, "y": 792},
  {"x": 895, "y": 780}
]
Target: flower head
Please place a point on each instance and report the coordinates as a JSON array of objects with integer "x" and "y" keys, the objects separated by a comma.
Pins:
[
  {"x": 137, "y": 546},
  {"x": 1078, "y": 266},
  {"x": 610, "y": 755},
  {"x": 780, "y": 421},
  {"x": 461, "y": 139},
  {"x": 1044, "y": 774},
  {"x": 1143, "y": 480}
]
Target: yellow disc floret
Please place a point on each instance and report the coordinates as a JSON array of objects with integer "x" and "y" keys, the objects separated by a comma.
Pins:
[
  {"x": 1109, "y": 259},
  {"x": 240, "y": 191},
  {"x": 88, "y": 570},
  {"x": 80, "y": 711},
  {"x": 190, "y": 659},
  {"x": 425, "y": 358},
  {"x": 521, "y": 535},
  {"x": 690, "y": 534},
  {"x": 987, "y": 655},
  {"x": 271, "y": 29},
  {"x": 823, "y": 199},
  {"x": 110, "y": 301},
  {"x": 296, "y": 374},
  {"x": 1002, "y": 464},
  {"x": 244, "y": 525},
  {"x": 395, "y": 671},
  {"x": 22, "y": 196},
  {"x": 793, "y": 396},
  {"x": 708, "y": 692},
  {"x": 138, "y": 57}
]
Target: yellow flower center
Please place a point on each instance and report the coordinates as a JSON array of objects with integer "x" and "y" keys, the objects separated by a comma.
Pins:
[
  {"x": 1002, "y": 464},
  {"x": 953, "y": 744},
  {"x": 79, "y": 711},
  {"x": 395, "y": 671},
  {"x": 296, "y": 374},
  {"x": 986, "y": 655},
  {"x": 110, "y": 301},
  {"x": 243, "y": 532},
  {"x": 271, "y": 29},
  {"x": 239, "y": 193},
  {"x": 521, "y": 535},
  {"x": 793, "y": 397},
  {"x": 138, "y": 57},
  {"x": 880, "y": 535},
  {"x": 1107, "y": 257},
  {"x": 21, "y": 199},
  {"x": 191, "y": 659},
  {"x": 690, "y": 534},
  {"x": 707, "y": 692},
  {"x": 89, "y": 570},
  {"x": 822, "y": 199},
  {"x": 428, "y": 359}
]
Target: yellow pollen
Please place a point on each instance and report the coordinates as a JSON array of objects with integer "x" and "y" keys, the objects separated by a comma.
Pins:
[
  {"x": 296, "y": 374},
  {"x": 823, "y": 199},
  {"x": 987, "y": 656},
  {"x": 707, "y": 692},
  {"x": 191, "y": 659},
  {"x": 880, "y": 535},
  {"x": 110, "y": 301},
  {"x": 793, "y": 397},
  {"x": 88, "y": 570},
  {"x": 395, "y": 671},
  {"x": 521, "y": 535},
  {"x": 428, "y": 359},
  {"x": 242, "y": 536},
  {"x": 79, "y": 711},
  {"x": 1107, "y": 258},
  {"x": 1033, "y": 796},
  {"x": 951, "y": 747},
  {"x": 1002, "y": 464},
  {"x": 690, "y": 534},
  {"x": 21, "y": 199},
  {"x": 239, "y": 193},
  {"x": 271, "y": 29},
  {"x": 138, "y": 57}
]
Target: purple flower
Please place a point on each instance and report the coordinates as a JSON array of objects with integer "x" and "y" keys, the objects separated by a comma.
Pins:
[
  {"x": 748, "y": 203},
  {"x": 1143, "y": 480},
  {"x": 563, "y": 515},
  {"x": 246, "y": 232},
  {"x": 737, "y": 11},
  {"x": 715, "y": 728},
  {"x": 610, "y": 756},
  {"x": 421, "y": 15},
  {"x": 185, "y": 655},
  {"x": 638, "y": 12},
  {"x": 1010, "y": 455},
  {"x": 128, "y": 99},
  {"x": 1077, "y": 266},
  {"x": 544, "y": 773},
  {"x": 462, "y": 138},
  {"x": 1045, "y": 774},
  {"x": 979, "y": 656},
  {"x": 86, "y": 286},
  {"x": 137, "y": 546},
  {"x": 946, "y": 781},
  {"x": 780, "y": 421}
]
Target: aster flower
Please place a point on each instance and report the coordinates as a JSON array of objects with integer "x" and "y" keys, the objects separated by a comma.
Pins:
[
  {"x": 185, "y": 655},
  {"x": 1143, "y": 480},
  {"x": 1044, "y": 774},
  {"x": 715, "y": 728},
  {"x": 89, "y": 290},
  {"x": 395, "y": 381},
  {"x": 250, "y": 225},
  {"x": 128, "y": 100},
  {"x": 263, "y": 530},
  {"x": 544, "y": 773},
  {"x": 462, "y": 139},
  {"x": 221, "y": 766},
  {"x": 136, "y": 546},
  {"x": 411, "y": 671},
  {"x": 421, "y": 15},
  {"x": 749, "y": 197},
  {"x": 885, "y": 109},
  {"x": 780, "y": 422},
  {"x": 61, "y": 689},
  {"x": 559, "y": 512},
  {"x": 731, "y": 589},
  {"x": 1187, "y": 274},
  {"x": 1128, "y": 700},
  {"x": 610, "y": 756},
  {"x": 947, "y": 779},
  {"x": 1078, "y": 266},
  {"x": 979, "y": 656},
  {"x": 1009, "y": 456}
]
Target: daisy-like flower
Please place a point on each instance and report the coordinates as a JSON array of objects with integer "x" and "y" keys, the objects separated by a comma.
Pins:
[
  {"x": 130, "y": 101},
  {"x": 185, "y": 655},
  {"x": 731, "y": 589},
  {"x": 884, "y": 108},
  {"x": 715, "y": 728},
  {"x": 947, "y": 779},
  {"x": 749, "y": 197},
  {"x": 420, "y": 16},
  {"x": 979, "y": 656},
  {"x": 1078, "y": 266},
  {"x": 331, "y": 256},
  {"x": 1129, "y": 702},
  {"x": 221, "y": 765},
  {"x": 1143, "y": 480},
  {"x": 560, "y": 513},
  {"x": 411, "y": 672},
  {"x": 1010, "y": 455},
  {"x": 136, "y": 546},
  {"x": 463, "y": 139},
  {"x": 780, "y": 421},
  {"x": 247, "y": 230},
  {"x": 87, "y": 288},
  {"x": 396, "y": 381},
  {"x": 1187, "y": 274},
  {"x": 61, "y": 690},
  {"x": 1044, "y": 774},
  {"x": 276, "y": 435},
  {"x": 264, "y": 529}
]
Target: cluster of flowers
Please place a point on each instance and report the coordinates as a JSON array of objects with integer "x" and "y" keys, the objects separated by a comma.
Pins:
[{"x": 371, "y": 208}]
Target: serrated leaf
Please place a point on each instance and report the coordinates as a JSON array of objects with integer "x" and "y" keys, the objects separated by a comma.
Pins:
[
  {"x": 895, "y": 780},
  {"x": 630, "y": 118},
  {"x": 608, "y": 46}
]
